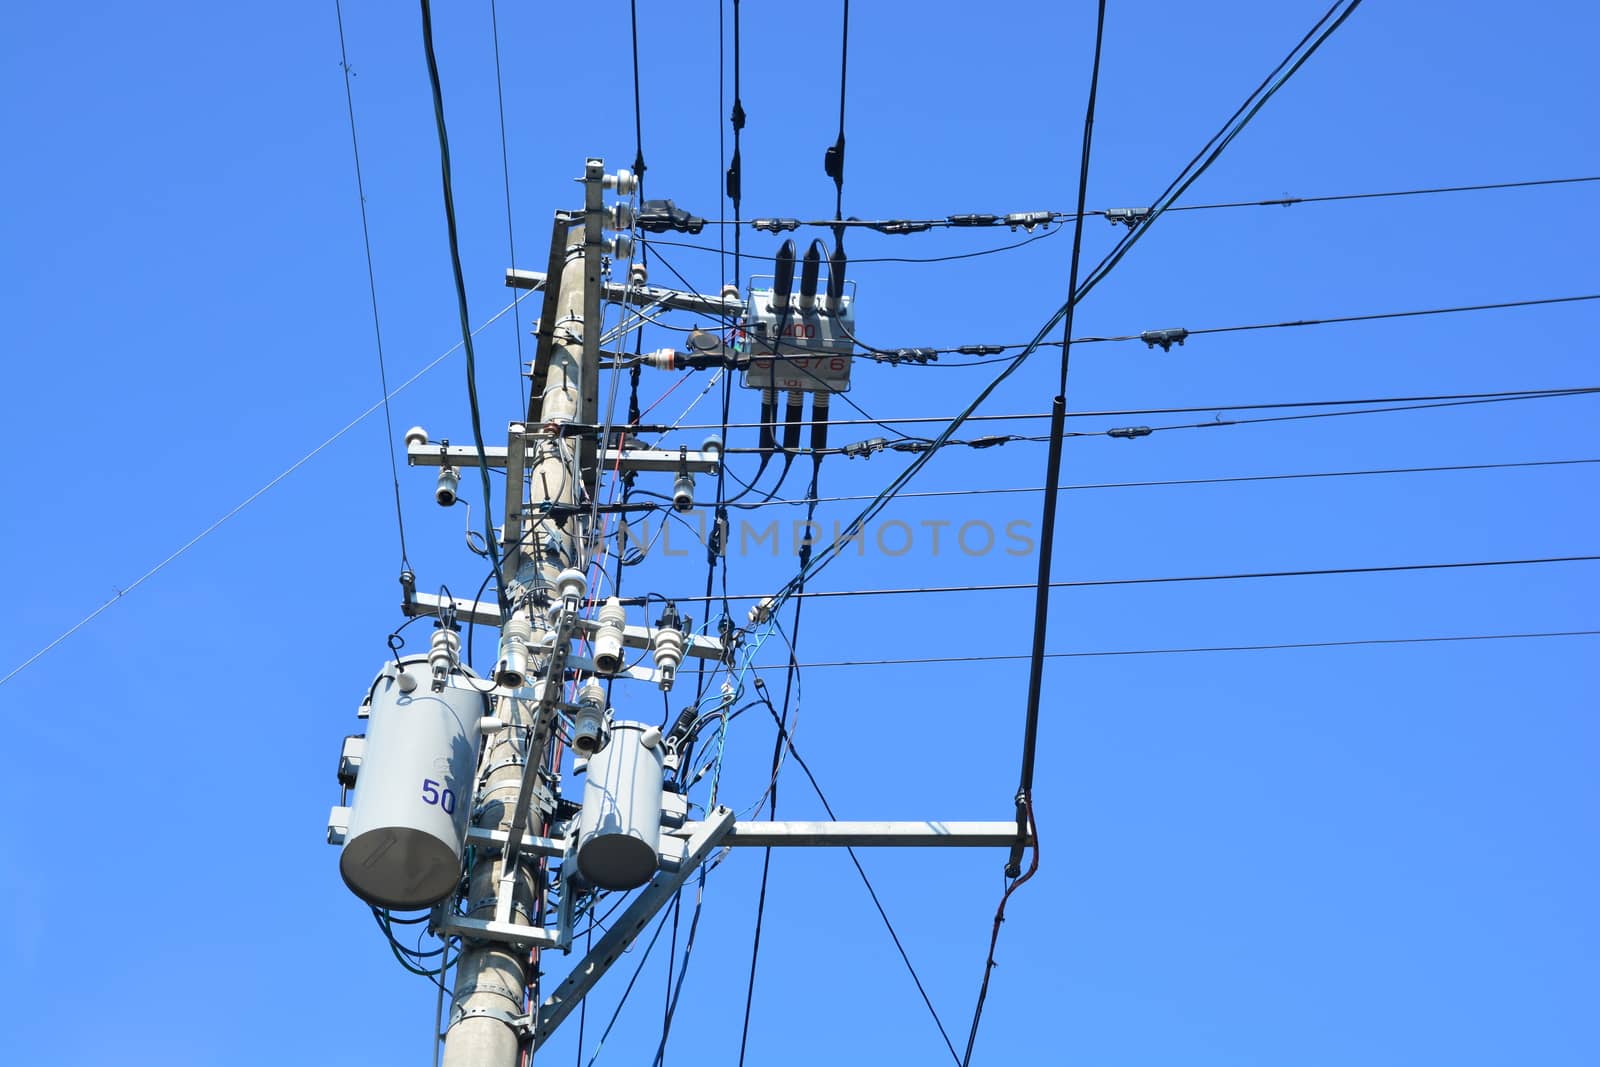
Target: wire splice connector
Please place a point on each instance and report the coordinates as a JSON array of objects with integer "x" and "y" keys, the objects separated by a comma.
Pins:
[
  {"x": 1165, "y": 338},
  {"x": 1129, "y": 432}
]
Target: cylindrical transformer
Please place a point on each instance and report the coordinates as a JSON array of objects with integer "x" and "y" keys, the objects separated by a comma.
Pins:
[
  {"x": 414, "y": 794},
  {"x": 619, "y": 828}
]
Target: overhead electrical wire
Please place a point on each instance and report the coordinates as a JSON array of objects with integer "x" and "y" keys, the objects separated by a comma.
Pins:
[
  {"x": 461, "y": 290},
  {"x": 911, "y": 420},
  {"x": 921, "y": 661},
  {"x": 1229, "y": 480},
  {"x": 1153, "y": 338},
  {"x": 372, "y": 286},
  {"x": 253, "y": 497},
  {"x": 900, "y": 227},
  {"x": 505, "y": 169},
  {"x": 1191, "y": 173},
  {"x": 1027, "y": 820},
  {"x": 787, "y": 740},
  {"x": 923, "y": 445},
  {"x": 1088, "y": 583}
]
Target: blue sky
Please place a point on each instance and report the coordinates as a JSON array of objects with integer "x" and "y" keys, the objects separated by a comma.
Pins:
[{"x": 1374, "y": 854}]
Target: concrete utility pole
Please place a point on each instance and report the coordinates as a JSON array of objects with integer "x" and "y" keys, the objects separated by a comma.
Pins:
[
  {"x": 631, "y": 832},
  {"x": 492, "y": 976}
]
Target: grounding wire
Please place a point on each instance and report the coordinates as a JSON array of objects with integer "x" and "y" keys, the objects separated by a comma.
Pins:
[
  {"x": 252, "y": 498},
  {"x": 461, "y": 287},
  {"x": 372, "y": 284}
]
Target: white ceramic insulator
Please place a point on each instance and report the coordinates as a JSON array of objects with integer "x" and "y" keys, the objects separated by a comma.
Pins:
[
  {"x": 571, "y": 584},
  {"x": 683, "y": 492},
  {"x": 669, "y": 655},
  {"x": 514, "y": 641},
  {"x": 608, "y": 637},
  {"x": 588, "y": 725}
]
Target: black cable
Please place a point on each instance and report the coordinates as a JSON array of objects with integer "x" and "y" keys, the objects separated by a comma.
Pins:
[
  {"x": 505, "y": 168},
  {"x": 626, "y": 990},
  {"x": 1047, "y": 524},
  {"x": 372, "y": 285},
  {"x": 461, "y": 288},
  {"x": 1121, "y": 412},
  {"x": 1087, "y": 583},
  {"x": 1191, "y": 173},
  {"x": 921, "y": 445},
  {"x": 905, "y": 958},
  {"x": 1051, "y": 232},
  {"x": 777, "y": 760},
  {"x": 1194, "y": 481},
  {"x": 736, "y": 119},
  {"x": 921, "y": 661},
  {"x": 638, "y": 120},
  {"x": 1167, "y": 338},
  {"x": 898, "y": 227}
]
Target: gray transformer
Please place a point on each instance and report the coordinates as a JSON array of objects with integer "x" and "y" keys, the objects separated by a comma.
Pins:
[
  {"x": 619, "y": 827},
  {"x": 414, "y": 791}
]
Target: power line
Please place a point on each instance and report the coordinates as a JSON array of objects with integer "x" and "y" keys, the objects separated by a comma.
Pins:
[
  {"x": 1352, "y": 643},
  {"x": 979, "y": 491},
  {"x": 505, "y": 168},
  {"x": 1191, "y": 173},
  {"x": 372, "y": 285},
  {"x": 1090, "y": 583},
  {"x": 897, "y": 227},
  {"x": 1027, "y": 825},
  {"x": 461, "y": 287},
  {"x": 909, "y": 420},
  {"x": 788, "y": 742},
  {"x": 922, "y": 445},
  {"x": 1166, "y": 338},
  {"x": 253, "y": 497}
]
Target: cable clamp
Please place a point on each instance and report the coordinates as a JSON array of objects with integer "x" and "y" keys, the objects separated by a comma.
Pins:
[
  {"x": 899, "y": 226},
  {"x": 1027, "y": 220},
  {"x": 775, "y": 225},
  {"x": 865, "y": 448},
  {"x": 1127, "y": 216},
  {"x": 1165, "y": 338}
]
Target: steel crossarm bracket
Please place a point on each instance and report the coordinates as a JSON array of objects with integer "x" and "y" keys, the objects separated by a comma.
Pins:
[
  {"x": 705, "y": 839},
  {"x": 648, "y": 460},
  {"x": 865, "y": 834},
  {"x": 640, "y": 294},
  {"x": 483, "y": 837}
]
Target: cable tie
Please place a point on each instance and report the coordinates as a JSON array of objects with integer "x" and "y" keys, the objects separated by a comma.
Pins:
[
  {"x": 775, "y": 225},
  {"x": 972, "y": 220},
  {"x": 1165, "y": 338},
  {"x": 1129, "y": 432}
]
